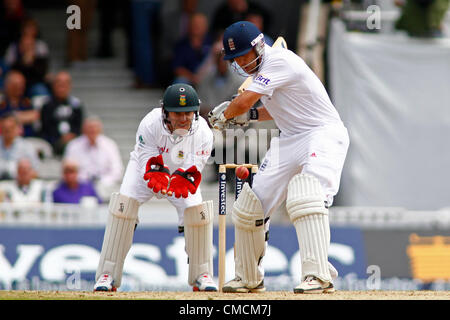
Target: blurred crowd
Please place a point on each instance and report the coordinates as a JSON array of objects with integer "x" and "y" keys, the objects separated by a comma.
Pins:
[
  {"x": 40, "y": 118},
  {"x": 166, "y": 42}
]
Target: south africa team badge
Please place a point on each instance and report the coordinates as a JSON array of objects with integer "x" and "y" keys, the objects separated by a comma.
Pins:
[{"x": 182, "y": 99}]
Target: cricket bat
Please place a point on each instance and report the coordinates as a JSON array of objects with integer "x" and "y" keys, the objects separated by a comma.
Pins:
[{"x": 280, "y": 42}]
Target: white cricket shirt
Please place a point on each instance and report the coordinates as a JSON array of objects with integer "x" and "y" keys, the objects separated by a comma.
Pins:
[
  {"x": 293, "y": 95},
  {"x": 152, "y": 139}
]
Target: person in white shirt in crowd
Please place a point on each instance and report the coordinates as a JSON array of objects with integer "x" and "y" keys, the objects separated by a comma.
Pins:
[
  {"x": 13, "y": 147},
  {"x": 25, "y": 190},
  {"x": 98, "y": 157}
]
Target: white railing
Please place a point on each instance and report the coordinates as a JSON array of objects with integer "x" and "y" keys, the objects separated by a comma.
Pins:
[
  {"x": 159, "y": 213},
  {"x": 50, "y": 214},
  {"x": 389, "y": 218}
]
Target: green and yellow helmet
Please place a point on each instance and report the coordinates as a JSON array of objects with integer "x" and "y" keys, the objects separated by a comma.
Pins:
[{"x": 180, "y": 97}]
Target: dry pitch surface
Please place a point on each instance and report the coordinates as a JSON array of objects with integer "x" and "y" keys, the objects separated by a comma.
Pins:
[{"x": 271, "y": 295}]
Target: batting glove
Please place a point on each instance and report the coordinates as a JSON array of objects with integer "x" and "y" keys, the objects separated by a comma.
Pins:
[
  {"x": 216, "y": 117},
  {"x": 246, "y": 118},
  {"x": 184, "y": 182},
  {"x": 157, "y": 174}
]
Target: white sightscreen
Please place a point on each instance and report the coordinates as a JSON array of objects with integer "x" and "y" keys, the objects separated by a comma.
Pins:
[{"x": 393, "y": 94}]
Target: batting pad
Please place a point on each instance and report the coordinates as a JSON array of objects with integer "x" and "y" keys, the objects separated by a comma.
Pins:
[
  {"x": 250, "y": 244},
  {"x": 306, "y": 209},
  {"x": 123, "y": 214},
  {"x": 198, "y": 235}
]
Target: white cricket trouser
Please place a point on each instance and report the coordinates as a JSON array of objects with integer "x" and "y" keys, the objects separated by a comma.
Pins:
[
  {"x": 319, "y": 152},
  {"x": 134, "y": 186}
]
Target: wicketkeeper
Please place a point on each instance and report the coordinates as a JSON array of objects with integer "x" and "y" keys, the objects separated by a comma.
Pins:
[
  {"x": 173, "y": 144},
  {"x": 303, "y": 166}
]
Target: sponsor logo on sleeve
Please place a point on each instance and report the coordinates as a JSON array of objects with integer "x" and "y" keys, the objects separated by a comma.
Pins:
[{"x": 262, "y": 80}]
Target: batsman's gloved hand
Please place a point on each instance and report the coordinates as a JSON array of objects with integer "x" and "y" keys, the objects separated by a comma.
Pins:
[
  {"x": 216, "y": 117},
  {"x": 246, "y": 118},
  {"x": 157, "y": 174},
  {"x": 184, "y": 182}
]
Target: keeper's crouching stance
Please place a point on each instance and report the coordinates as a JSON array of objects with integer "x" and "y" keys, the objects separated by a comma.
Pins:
[{"x": 172, "y": 146}]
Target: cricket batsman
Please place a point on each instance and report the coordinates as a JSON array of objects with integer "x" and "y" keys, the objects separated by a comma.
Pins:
[
  {"x": 172, "y": 146},
  {"x": 303, "y": 166}
]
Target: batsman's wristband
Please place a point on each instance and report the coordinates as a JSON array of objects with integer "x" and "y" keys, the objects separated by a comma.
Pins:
[{"x": 253, "y": 115}]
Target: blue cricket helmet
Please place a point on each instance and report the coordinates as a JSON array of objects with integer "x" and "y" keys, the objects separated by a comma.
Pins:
[{"x": 239, "y": 38}]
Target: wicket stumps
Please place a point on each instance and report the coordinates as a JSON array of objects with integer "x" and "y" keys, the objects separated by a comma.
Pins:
[{"x": 223, "y": 209}]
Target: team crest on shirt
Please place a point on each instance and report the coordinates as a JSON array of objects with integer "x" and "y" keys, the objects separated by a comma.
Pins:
[
  {"x": 141, "y": 140},
  {"x": 231, "y": 44},
  {"x": 262, "y": 80},
  {"x": 181, "y": 154},
  {"x": 182, "y": 99}
]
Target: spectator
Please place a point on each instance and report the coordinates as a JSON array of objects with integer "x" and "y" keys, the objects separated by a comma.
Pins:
[
  {"x": 258, "y": 20},
  {"x": 14, "y": 101},
  {"x": 13, "y": 147},
  {"x": 220, "y": 83},
  {"x": 98, "y": 157},
  {"x": 12, "y": 15},
  {"x": 422, "y": 18},
  {"x": 26, "y": 189},
  {"x": 145, "y": 31},
  {"x": 77, "y": 39},
  {"x": 175, "y": 25},
  {"x": 30, "y": 56},
  {"x": 191, "y": 51},
  {"x": 71, "y": 189},
  {"x": 111, "y": 15},
  {"x": 62, "y": 114},
  {"x": 231, "y": 11}
]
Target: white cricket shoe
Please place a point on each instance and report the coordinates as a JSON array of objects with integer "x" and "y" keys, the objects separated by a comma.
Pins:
[
  {"x": 105, "y": 283},
  {"x": 204, "y": 283},
  {"x": 312, "y": 284},
  {"x": 236, "y": 286}
]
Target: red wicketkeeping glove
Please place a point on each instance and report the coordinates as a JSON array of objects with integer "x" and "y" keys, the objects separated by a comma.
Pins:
[
  {"x": 157, "y": 174},
  {"x": 182, "y": 182}
]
